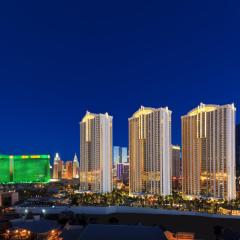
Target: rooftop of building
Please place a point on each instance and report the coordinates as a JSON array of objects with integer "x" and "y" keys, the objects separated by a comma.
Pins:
[
  {"x": 206, "y": 108},
  {"x": 203, "y": 108},
  {"x": 119, "y": 232},
  {"x": 71, "y": 234},
  {"x": 36, "y": 226},
  {"x": 145, "y": 111},
  {"x": 89, "y": 116},
  {"x": 176, "y": 147},
  {"x": 24, "y": 156}
]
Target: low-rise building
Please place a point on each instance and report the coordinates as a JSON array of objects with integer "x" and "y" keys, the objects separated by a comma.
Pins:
[{"x": 8, "y": 199}]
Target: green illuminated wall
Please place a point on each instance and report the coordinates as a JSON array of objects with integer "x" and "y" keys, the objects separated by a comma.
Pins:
[
  {"x": 4, "y": 169},
  {"x": 24, "y": 169}
]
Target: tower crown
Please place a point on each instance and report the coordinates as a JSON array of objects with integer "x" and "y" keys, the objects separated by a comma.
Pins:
[
  {"x": 202, "y": 108},
  {"x": 57, "y": 157},
  {"x": 75, "y": 159}
]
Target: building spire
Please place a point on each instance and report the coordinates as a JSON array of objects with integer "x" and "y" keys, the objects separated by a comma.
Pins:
[
  {"x": 75, "y": 159},
  {"x": 57, "y": 157}
]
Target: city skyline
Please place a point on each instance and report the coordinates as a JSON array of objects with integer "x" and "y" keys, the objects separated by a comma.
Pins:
[
  {"x": 57, "y": 62},
  {"x": 123, "y": 147},
  {"x": 119, "y": 119}
]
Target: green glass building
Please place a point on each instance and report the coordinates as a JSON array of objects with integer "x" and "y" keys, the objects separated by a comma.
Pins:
[{"x": 24, "y": 169}]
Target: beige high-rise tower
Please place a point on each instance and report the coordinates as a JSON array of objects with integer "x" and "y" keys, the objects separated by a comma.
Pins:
[
  {"x": 208, "y": 151},
  {"x": 150, "y": 151},
  {"x": 96, "y": 153}
]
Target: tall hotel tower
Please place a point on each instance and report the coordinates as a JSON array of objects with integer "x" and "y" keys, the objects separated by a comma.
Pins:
[
  {"x": 75, "y": 167},
  {"x": 150, "y": 151},
  {"x": 57, "y": 167},
  {"x": 96, "y": 153},
  {"x": 208, "y": 151}
]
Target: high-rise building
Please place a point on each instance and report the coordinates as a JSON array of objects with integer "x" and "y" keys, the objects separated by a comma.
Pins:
[
  {"x": 57, "y": 167},
  {"x": 122, "y": 173},
  {"x": 120, "y": 155},
  {"x": 75, "y": 167},
  {"x": 238, "y": 147},
  {"x": 150, "y": 151},
  {"x": 208, "y": 151},
  {"x": 176, "y": 168},
  {"x": 124, "y": 155},
  {"x": 176, "y": 161},
  {"x": 96, "y": 153},
  {"x": 238, "y": 158},
  {"x": 67, "y": 170},
  {"x": 125, "y": 176},
  {"x": 116, "y": 155},
  {"x": 119, "y": 171}
]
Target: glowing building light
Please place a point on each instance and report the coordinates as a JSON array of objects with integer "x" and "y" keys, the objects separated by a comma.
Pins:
[{"x": 24, "y": 169}]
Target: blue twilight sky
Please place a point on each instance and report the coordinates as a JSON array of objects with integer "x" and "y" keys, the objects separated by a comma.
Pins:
[{"x": 61, "y": 58}]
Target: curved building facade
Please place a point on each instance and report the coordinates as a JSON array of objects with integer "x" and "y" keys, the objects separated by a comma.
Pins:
[
  {"x": 150, "y": 151},
  {"x": 208, "y": 151},
  {"x": 96, "y": 153}
]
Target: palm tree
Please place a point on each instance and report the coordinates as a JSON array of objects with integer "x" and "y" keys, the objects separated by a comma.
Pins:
[{"x": 160, "y": 201}]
